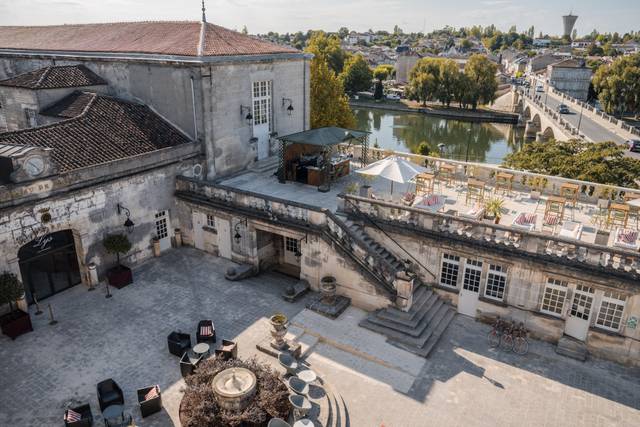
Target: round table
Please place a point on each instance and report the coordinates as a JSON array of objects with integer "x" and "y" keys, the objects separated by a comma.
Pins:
[
  {"x": 308, "y": 376},
  {"x": 304, "y": 422},
  {"x": 200, "y": 349},
  {"x": 113, "y": 412}
]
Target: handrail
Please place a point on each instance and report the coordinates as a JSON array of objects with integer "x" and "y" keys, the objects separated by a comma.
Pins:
[{"x": 362, "y": 215}]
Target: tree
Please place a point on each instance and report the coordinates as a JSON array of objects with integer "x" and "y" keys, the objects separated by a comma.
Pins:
[
  {"x": 383, "y": 72},
  {"x": 328, "y": 48},
  {"x": 465, "y": 44},
  {"x": 244, "y": 30},
  {"x": 603, "y": 162},
  {"x": 329, "y": 104},
  {"x": 343, "y": 32},
  {"x": 594, "y": 50},
  {"x": 117, "y": 244},
  {"x": 378, "y": 92},
  {"x": 482, "y": 80},
  {"x": 618, "y": 85},
  {"x": 357, "y": 75},
  {"x": 11, "y": 290},
  {"x": 424, "y": 80},
  {"x": 449, "y": 75}
]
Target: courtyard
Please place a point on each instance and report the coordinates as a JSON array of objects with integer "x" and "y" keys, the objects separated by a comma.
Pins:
[{"x": 463, "y": 383}]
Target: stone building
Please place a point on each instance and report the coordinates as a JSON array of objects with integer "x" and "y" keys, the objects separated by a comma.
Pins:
[
  {"x": 100, "y": 119},
  {"x": 571, "y": 77}
]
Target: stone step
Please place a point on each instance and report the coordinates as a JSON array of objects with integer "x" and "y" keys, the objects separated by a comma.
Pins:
[
  {"x": 419, "y": 318},
  {"x": 435, "y": 337},
  {"x": 421, "y": 295},
  {"x": 413, "y": 327},
  {"x": 573, "y": 348}
]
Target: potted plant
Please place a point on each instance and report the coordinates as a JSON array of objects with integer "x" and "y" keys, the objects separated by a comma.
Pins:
[
  {"x": 279, "y": 330},
  {"x": 120, "y": 275},
  {"x": 494, "y": 209},
  {"x": 16, "y": 322}
]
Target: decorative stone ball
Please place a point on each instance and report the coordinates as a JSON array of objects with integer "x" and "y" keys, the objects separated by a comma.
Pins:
[
  {"x": 290, "y": 290},
  {"x": 231, "y": 271}
]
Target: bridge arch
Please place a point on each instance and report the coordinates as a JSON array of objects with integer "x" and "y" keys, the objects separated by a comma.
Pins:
[
  {"x": 537, "y": 121},
  {"x": 526, "y": 114},
  {"x": 548, "y": 133}
]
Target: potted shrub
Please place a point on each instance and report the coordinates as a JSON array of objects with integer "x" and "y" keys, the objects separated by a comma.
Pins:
[
  {"x": 16, "y": 322},
  {"x": 120, "y": 275},
  {"x": 494, "y": 209}
]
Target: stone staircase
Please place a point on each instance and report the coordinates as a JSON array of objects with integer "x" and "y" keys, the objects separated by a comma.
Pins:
[
  {"x": 270, "y": 164},
  {"x": 417, "y": 330},
  {"x": 571, "y": 347}
]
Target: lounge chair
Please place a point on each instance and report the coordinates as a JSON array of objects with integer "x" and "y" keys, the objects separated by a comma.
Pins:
[
  {"x": 206, "y": 332},
  {"x": 78, "y": 416},
  {"x": 109, "y": 393},
  {"x": 432, "y": 202},
  {"x": 476, "y": 212},
  {"x": 571, "y": 230},
  {"x": 525, "y": 221},
  {"x": 626, "y": 238},
  {"x": 150, "y": 400}
]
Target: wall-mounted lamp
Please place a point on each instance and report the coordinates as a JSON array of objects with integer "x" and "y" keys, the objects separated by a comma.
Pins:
[
  {"x": 238, "y": 236},
  {"x": 290, "y": 107},
  {"x": 249, "y": 116},
  {"x": 128, "y": 224},
  {"x": 298, "y": 254}
]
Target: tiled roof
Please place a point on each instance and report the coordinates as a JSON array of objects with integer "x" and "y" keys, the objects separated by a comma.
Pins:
[
  {"x": 55, "y": 77},
  {"x": 569, "y": 63},
  {"x": 108, "y": 129},
  {"x": 70, "y": 106},
  {"x": 164, "y": 38}
]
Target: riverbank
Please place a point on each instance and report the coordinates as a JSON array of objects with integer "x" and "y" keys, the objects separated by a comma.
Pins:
[{"x": 479, "y": 115}]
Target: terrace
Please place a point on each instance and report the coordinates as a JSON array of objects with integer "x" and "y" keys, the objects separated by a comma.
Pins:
[{"x": 582, "y": 222}]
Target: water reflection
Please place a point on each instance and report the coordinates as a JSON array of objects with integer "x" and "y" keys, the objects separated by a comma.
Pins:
[{"x": 399, "y": 131}]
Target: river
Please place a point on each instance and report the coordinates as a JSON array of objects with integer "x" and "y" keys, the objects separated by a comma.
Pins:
[{"x": 401, "y": 131}]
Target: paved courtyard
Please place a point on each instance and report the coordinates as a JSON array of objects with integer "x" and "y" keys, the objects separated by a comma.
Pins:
[{"x": 463, "y": 383}]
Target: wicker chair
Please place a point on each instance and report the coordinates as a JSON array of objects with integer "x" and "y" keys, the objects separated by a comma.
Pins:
[{"x": 109, "y": 393}]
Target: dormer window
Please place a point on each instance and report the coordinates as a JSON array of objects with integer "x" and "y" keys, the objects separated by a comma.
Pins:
[{"x": 31, "y": 116}]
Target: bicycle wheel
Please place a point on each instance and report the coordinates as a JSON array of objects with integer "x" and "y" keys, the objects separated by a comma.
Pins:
[
  {"x": 506, "y": 342},
  {"x": 520, "y": 345},
  {"x": 494, "y": 339}
]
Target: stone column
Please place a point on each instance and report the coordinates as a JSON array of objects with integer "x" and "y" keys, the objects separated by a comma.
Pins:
[{"x": 404, "y": 287}]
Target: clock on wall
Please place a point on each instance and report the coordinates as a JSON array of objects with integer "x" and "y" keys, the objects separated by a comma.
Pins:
[
  {"x": 34, "y": 165},
  {"x": 25, "y": 163}
]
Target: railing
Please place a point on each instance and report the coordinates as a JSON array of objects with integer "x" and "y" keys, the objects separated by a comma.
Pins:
[
  {"x": 523, "y": 181},
  {"x": 305, "y": 218},
  {"x": 536, "y": 100},
  {"x": 569, "y": 251}
]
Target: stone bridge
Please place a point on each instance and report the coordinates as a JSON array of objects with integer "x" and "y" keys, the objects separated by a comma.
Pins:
[{"x": 541, "y": 122}]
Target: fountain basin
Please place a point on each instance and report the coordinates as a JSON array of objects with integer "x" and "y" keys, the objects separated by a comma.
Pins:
[{"x": 234, "y": 388}]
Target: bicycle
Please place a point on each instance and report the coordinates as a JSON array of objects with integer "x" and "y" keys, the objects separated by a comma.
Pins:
[
  {"x": 496, "y": 333},
  {"x": 520, "y": 342},
  {"x": 506, "y": 340}
]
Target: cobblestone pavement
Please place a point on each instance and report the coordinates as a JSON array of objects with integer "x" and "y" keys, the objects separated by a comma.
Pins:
[{"x": 463, "y": 383}]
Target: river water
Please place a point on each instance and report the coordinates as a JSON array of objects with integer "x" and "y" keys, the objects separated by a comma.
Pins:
[{"x": 401, "y": 131}]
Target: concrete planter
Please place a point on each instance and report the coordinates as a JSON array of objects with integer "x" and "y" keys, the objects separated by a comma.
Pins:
[
  {"x": 16, "y": 323},
  {"x": 279, "y": 330},
  {"x": 328, "y": 289},
  {"x": 177, "y": 233},
  {"x": 156, "y": 247}
]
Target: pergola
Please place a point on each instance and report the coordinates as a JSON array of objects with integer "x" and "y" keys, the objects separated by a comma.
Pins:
[{"x": 321, "y": 141}]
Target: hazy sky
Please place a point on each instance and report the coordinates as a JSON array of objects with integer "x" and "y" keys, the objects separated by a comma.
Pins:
[{"x": 293, "y": 15}]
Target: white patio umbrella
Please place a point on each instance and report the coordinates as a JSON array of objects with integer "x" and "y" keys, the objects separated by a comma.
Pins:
[{"x": 393, "y": 168}]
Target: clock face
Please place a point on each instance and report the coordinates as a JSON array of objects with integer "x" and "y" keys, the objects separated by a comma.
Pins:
[{"x": 34, "y": 165}]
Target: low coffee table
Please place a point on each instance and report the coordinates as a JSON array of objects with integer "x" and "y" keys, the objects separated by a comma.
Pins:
[
  {"x": 113, "y": 413},
  {"x": 201, "y": 349}
]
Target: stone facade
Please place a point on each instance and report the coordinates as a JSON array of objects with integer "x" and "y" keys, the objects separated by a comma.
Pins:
[{"x": 572, "y": 79}]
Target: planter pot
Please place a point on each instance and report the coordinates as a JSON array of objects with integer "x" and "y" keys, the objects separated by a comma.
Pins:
[
  {"x": 156, "y": 248},
  {"x": 328, "y": 289},
  {"x": 365, "y": 191},
  {"x": 16, "y": 323},
  {"x": 279, "y": 325},
  {"x": 178, "y": 237},
  {"x": 120, "y": 276}
]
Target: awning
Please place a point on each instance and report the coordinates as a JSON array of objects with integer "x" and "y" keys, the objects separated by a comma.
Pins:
[{"x": 325, "y": 136}]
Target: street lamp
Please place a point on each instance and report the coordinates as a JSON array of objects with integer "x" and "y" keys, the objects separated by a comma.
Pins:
[
  {"x": 580, "y": 118},
  {"x": 298, "y": 253},
  {"x": 128, "y": 224},
  {"x": 290, "y": 107},
  {"x": 237, "y": 236},
  {"x": 249, "y": 116}
]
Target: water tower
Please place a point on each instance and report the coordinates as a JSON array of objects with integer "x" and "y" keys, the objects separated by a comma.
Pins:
[{"x": 568, "y": 21}]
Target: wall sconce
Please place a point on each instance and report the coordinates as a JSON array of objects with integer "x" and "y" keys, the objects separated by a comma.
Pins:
[
  {"x": 238, "y": 236},
  {"x": 298, "y": 254},
  {"x": 249, "y": 116},
  {"x": 290, "y": 107},
  {"x": 128, "y": 224}
]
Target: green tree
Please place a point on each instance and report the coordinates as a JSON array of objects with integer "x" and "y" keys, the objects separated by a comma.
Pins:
[
  {"x": 117, "y": 244},
  {"x": 449, "y": 77},
  {"x": 378, "y": 92},
  {"x": 329, "y": 104},
  {"x": 465, "y": 44},
  {"x": 357, "y": 75},
  {"x": 618, "y": 85},
  {"x": 328, "y": 48},
  {"x": 343, "y": 32},
  {"x": 244, "y": 30},
  {"x": 603, "y": 162},
  {"x": 383, "y": 72},
  {"x": 424, "y": 80},
  {"x": 482, "y": 80},
  {"x": 11, "y": 290},
  {"x": 594, "y": 50}
]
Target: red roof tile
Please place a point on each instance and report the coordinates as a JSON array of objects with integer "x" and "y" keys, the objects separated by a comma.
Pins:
[
  {"x": 163, "y": 38},
  {"x": 55, "y": 77},
  {"x": 108, "y": 129}
]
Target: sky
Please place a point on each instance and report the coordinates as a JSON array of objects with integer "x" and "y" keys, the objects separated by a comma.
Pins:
[{"x": 261, "y": 16}]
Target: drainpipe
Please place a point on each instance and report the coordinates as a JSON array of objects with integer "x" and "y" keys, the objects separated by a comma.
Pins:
[
  {"x": 193, "y": 104},
  {"x": 304, "y": 94}
]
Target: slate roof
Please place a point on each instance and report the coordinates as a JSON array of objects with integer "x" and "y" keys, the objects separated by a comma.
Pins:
[
  {"x": 107, "y": 129},
  {"x": 55, "y": 77},
  {"x": 165, "y": 38}
]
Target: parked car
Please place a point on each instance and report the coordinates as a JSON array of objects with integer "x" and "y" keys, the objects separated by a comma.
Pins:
[
  {"x": 539, "y": 88},
  {"x": 634, "y": 145},
  {"x": 563, "y": 109},
  {"x": 393, "y": 96}
]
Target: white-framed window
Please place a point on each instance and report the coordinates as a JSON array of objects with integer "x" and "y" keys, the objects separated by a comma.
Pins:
[
  {"x": 450, "y": 270},
  {"x": 291, "y": 244},
  {"x": 582, "y": 302},
  {"x": 31, "y": 116},
  {"x": 262, "y": 103},
  {"x": 211, "y": 221},
  {"x": 610, "y": 313},
  {"x": 161, "y": 225},
  {"x": 496, "y": 282},
  {"x": 555, "y": 294},
  {"x": 472, "y": 274}
]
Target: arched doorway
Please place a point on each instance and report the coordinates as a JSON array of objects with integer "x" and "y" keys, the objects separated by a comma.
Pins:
[{"x": 49, "y": 265}]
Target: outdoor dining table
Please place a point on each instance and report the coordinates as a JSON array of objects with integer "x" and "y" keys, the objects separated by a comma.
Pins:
[{"x": 570, "y": 191}]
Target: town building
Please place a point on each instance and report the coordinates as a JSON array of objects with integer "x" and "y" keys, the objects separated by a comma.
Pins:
[
  {"x": 570, "y": 76},
  {"x": 541, "y": 42},
  {"x": 539, "y": 63}
]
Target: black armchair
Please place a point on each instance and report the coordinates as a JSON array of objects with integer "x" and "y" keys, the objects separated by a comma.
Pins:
[
  {"x": 188, "y": 363},
  {"x": 178, "y": 343},
  {"x": 86, "y": 417},
  {"x": 109, "y": 393},
  {"x": 229, "y": 350},
  {"x": 200, "y": 337},
  {"x": 149, "y": 405}
]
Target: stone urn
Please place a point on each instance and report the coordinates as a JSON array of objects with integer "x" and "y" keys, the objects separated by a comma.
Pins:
[
  {"x": 279, "y": 323},
  {"x": 328, "y": 289}
]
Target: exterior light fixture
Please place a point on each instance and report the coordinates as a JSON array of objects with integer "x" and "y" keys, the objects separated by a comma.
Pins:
[
  {"x": 290, "y": 107},
  {"x": 237, "y": 236},
  {"x": 128, "y": 224},
  {"x": 297, "y": 253},
  {"x": 249, "y": 116}
]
